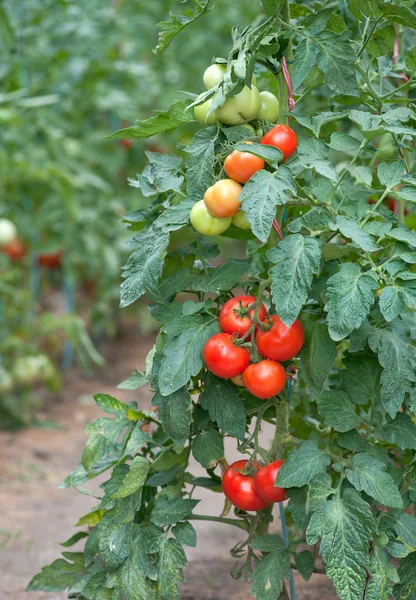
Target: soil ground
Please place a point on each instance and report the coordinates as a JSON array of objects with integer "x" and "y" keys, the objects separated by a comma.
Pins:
[{"x": 35, "y": 516}]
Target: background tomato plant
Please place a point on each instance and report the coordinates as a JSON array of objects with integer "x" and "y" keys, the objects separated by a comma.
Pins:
[{"x": 323, "y": 247}]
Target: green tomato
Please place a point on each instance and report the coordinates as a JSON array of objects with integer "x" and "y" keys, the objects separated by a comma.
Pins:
[
  {"x": 25, "y": 370},
  {"x": 240, "y": 220},
  {"x": 213, "y": 75},
  {"x": 386, "y": 147},
  {"x": 6, "y": 381},
  {"x": 269, "y": 108},
  {"x": 8, "y": 231},
  {"x": 204, "y": 222},
  {"x": 241, "y": 108},
  {"x": 250, "y": 127},
  {"x": 410, "y": 221},
  {"x": 201, "y": 112}
]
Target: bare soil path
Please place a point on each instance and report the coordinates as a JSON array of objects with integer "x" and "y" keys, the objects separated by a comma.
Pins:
[{"x": 35, "y": 516}]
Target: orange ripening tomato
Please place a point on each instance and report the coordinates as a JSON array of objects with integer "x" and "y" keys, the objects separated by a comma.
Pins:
[
  {"x": 221, "y": 199},
  {"x": 15, "y": 249},
  {"x": 240, "y": 166}
]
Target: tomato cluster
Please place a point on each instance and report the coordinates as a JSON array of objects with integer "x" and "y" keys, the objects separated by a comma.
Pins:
[
  {"x": 10, "y": 243},
  {"x": 221, "y": 205},
  {"x": 226, "y": 355},
  {"x": 251, "y": 486}
]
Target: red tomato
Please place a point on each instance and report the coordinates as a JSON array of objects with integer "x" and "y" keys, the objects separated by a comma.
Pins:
[
  {"x": 282, "y": 137},
  {"x": 239, "y": 488},
  {"x": 265, "y": 379},
  {"x": 232, "y": 318},
  {"x": 221, "y": 199},
  {"x": 223, "y": 358},
  {"x": 264, "y": 483},
  {"x": 393, "y": 205},
  {"x": 15, "y": 249},
  {"x": 280, "y": 342},
  {"x": 127, "y": 144},
  {"x": 50, "y": 260},
  {"x": 240, "y": 166}
]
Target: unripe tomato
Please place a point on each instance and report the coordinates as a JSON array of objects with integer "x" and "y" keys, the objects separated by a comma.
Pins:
[
  {"x": 238, "y": 380},
  {"x": 269, "y": 107},
  {"x": 280, "y": 342},
  {"x": 223, "y": 358},
  {"x": 201, "y": 111},
  {"x": 282, "y": 137},
  {"x": 386, "y": 147},
  {"x": 240, "y": 220},
  {"x": 241, "y": 108},
  {"x": 8, "y": 231},
  {"x": 221, "y": 199},
  {"x": 50, "y": 260},
  {"x": 234, "y": 317},
  {"x": 15, "y": 249},
  {"x": 264, "y": 483},
  {"x": 213, "y": 75},
  {"x": 239, "y": 488},
  {"x": 204, "y": 222},
  {"x": 240, "y": 166},
  {"x": 265, "y": 379}
]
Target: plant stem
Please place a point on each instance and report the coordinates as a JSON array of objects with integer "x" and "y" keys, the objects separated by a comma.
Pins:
[
  {"x": 375, "y": 206},
  {"x": 240, "y": 524},
  {"x": 346, "y": 170}
]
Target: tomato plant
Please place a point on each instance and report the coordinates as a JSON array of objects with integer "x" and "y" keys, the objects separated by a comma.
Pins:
[{"x": 338, "y": 272}]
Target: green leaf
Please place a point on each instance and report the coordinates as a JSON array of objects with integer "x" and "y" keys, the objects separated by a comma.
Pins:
[
  {"x": 171, "y": 562},
  {"x": 222, "y": 278},
  {"x": 102, "y": 443},
  {"x": 398, "y": 14},
  {"x": 135, "y": 478},
  {"x": 305, "y": 57},
  {"x": 144, "y": 266},
  {"x": 370, "y": 125},
  {"x": 406, "y": 529},
  {"x": 200, "y": 162},
  {"x": 351, "y": 440},
  {"x": 163, "y": 121},
  {"x": 302, "y": 465},
  {"x": 267, "y": 543},
  {"x": 410, "y": 58},
  {"x": 137, "y": 440},
  {"x": 132, "y": 581},
  {"x": 361, "y": 379},
  {"x": 262, "y": 194},
  {"x": 406, "y": 589},
  {"x": 168, "y": 511},
  {"x": 305, "y": 564},
  {"x": 314, "y": 154},
  {"x": 208, "y": 448},
  {"x": 270, "y": 154},
  {"x": 185, "y": 534},
  {"x": 362, "y": 9},
  {"x": 114, "y": 544},
  {"x": 297, "y": 506},
  {"x": 318, "y": 491},
  {"x": 350, "y": 229},
  {"x": 350, "y": 297},
  {"x": 382, "y": 575},
  {"x": 345, "y": 526},
  {"x": 317, "y": 357},
  {"x": 269, "y": 575},
  {"x": 297, "y": 260},
  {"x": 110, "y": 405},
  {"x": 338, "y": 411},
  {"x": 368, "y": 475},
  {"x": 168, "y": 30},
  {"x": 133, "y": 382},
  {"x": 343, "y": 142},
  {"x": 335, "y": 59},
  {"x": 390, "y": 174},
  {"x": 315, "y": 122},
  {"x": 400, "y": 431},
  {"x": 74, "y": 539},
  {"x": 220, "y": 398},
  {"x": 271, "y": 6},
  {"x": 61, "y": 574},
  {"x": 182, "y": 357},
  {"x": 174, "y": 413},
  {"x": 394, "y": 299}
]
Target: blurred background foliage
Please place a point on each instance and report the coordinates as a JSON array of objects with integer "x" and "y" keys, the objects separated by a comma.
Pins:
[{"x": 71, "y": 72}]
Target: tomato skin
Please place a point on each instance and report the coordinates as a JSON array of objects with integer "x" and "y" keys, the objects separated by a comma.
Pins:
[
  {"x": 204, "y": 222},
  {"x": 239, "y": 488},
  {"x": 8, "y": 231},
  {"x": 221, "y": 199},
  {"x": 264, "y": 483},
  {"x": 15, "y": 249},
  {"x": 280, "y": 342},
  {"x": 224, "y": 359},
  {"x": 231, "y": 322},
  {"x": 238, "y": 380},
  {"x": 282, "y": 137},
  {"x": 265, "y": 379},
  {"x": 213, "y": 75},
  {"x": 201, "y": 112},
  {"x": 240, "y": 166},
  {"x": 269, "y": 108},
  {"x": 50, "y": 260},
  {"x": 241, "y": 108},
  {"x": 240, "y": 220},
  {"x": 126, "y": 144}
]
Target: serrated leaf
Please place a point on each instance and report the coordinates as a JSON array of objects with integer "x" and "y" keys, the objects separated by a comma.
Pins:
[
  {"x": 114, "y": 544},
  {"x": 135, "y": 478},
  {"x": 350, "y": 229},
  {"x": 297, "y": 506},
  {"x": 269, "y": 575},
  {"x": 350, "y": 297},
  {"x": 225, "y": 407},
  {"x": 168, "y": 511},
  {"x": 315, "y": 122},
  {"x": 398, "y": 14},
  {"x": 318, "y": 491},
  {"x": 351, "y": 440},
  {"x": 74, "y": 539},
  {"x": 267, "y": 543},
  {"x": 262, "y": 194},
  {"x": 302, "y": 465},
  {"x": 343, "y": 142},
  {"x": 297, "y": 260},
  {"x": 222, "y": 278},
  {"x": 338, "y": 411},
  {"x": 133, "y": 382},
  {"x": 270, "y": 154},
  {"x": 361, "y": 379},
  {"x": 182, "y": 357},
  {"x": 208, "y": 448},
  {"x": 345, "y": 526},
  {"x": 185, "y": 534},
  {"x": 383, "y": 574},
  {"x": 200, "y": 162},
  {"x": 314, "y": 154},
  {"x": 317, "y": 357},
  {"x": 305, "y": 57},
  {"x": 400, "y": 431},
  {"x": 370, "y": 125},
  {"x": 61, "y": 574},
  {"x": 172, "y": 560},
  {"x": 102, "y": 448},
  {"x": 174, "y": 413},
  {"x": 110, "y": 405},
  {"x": 364, "y": 8},
  {"x": 335, "y": 59},
  {"x": 368, "y": 475},
  {"x": 405, "y": 528},
  {"x": 305, "y": 564},
  {"x": 390, "y": 174},
  {"x": 137, "y": 440},
  {"x": 406, "y": 589}
]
